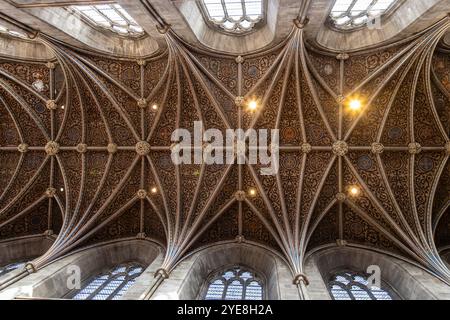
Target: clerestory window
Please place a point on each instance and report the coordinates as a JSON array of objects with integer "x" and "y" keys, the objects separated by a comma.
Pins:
[
  {"x": 111, "y": 285},
  {"x": 349, "y": 285},
  {"x": 111, "y": 17},
  {"x": 349, "y": 14},
  {"x": 234, "y": 16},
  {"x": 235, "y": 284}
]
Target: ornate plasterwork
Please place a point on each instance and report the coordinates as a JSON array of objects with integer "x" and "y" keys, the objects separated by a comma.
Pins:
[
  {"x": 142, "y": 148},
  {"x": 324, "y": 150}
]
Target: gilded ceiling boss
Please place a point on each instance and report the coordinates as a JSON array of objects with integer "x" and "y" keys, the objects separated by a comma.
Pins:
[{"x": 225, "y": 150}]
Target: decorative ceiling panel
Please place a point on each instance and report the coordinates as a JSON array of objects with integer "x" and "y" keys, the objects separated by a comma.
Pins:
[{"x": 90, "y": 158}]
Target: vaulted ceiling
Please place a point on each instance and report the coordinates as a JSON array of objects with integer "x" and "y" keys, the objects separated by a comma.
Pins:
[{"x": 89, "y": 157}]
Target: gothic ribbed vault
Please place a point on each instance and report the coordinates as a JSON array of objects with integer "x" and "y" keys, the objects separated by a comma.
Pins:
[{"x": 80, "y": 158}]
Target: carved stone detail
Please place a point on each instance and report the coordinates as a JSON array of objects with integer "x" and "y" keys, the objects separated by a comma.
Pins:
[
  {"x": 141, "y": 62},
  {"x": 142, "y": 194},
  {"x": 142, "y": 148},
  {"x": 52, "y": 148},
  {"x": 341, "y": 197},
  {"x": 240, "y": 196},
  {"x": 340, "y": 148},
  {"x": 377, "y": 148},
  {"x": 240, "y": 59},
  {"x": 306, "y": 148},
  {"x": 342, "y": 56},
  {"x": 23, "y": 148},
  {"x": 239, "y": 101},
  {"x": 341, "y": 243},
  {"x": 340, "y": 98},
  {"x": 162, "y": 272},
  {"x": 414, "y": 148},
  {"x": 142, "y": 103},
  {"x": 112, "y": 148},
  {"x": 82, "y": 148},
  {"x": 301, "y": 278},
  {"x": 50, "y": 192}
]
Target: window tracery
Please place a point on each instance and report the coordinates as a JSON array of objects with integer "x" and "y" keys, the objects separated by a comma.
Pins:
[
  {"x": 235, "y": 284},
  {"x": 111, "y": 17},
  {"x": 349, "y": 14},
  {"x": 111, "y": 285},
  {"x": 350, "y": 285},
  {"x": 234, "y": 16}
]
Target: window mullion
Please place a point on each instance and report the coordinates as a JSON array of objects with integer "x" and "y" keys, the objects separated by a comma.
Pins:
[
  {"x": 100, "y": 288},
  {"x": 128, "y": 22},
  {"x": 111, "y": 24},
  {"x": 225, "y": 11}
]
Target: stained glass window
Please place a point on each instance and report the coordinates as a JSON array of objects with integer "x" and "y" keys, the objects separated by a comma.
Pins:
[
  {"x": 111, "y": 285},
  {"x": 11, "y": 267},
  {"x": 112, "y": 17},
  {"x": 347, "y": 14},
  {"x": 16, "y": 34},
  {"x": 354, "y": 286},
  {"x": 235, "y": 284},
  {"x": 235, "y": 16}
]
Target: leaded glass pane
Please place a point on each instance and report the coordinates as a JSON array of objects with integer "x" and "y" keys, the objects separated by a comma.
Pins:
[
  {"x": 110, "y": 16},
  {"x": 235, "y": 284},
  {"x": 111, "y": 285},
  {"x": 354, "y": 286},
  {"x": 235, "y": 16},
  {"x": 347, "y": 14},
  {"x": 11, "y": 267}
]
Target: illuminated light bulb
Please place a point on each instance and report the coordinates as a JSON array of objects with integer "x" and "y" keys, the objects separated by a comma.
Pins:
[
  {"x": 354, "y": 191},
  {"x": 62, "y": 189},
  {"x": 355, "y": 104},
  {"x": 252, "y": 192},
  {"x": 154, "y": 107},
  {"x": 253, "y": 105},
  {"x": 154, "y": 190},
  {"x": 63, "y": 107}
]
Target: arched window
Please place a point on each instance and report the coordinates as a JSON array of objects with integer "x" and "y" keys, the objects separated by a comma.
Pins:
[
  {"x": 111, "y": 285},
  {"x": 234, "y": 16},
  {"x": 235, "y": 283},
  {"x": 11, "y": 267},
  {"x": 349, "y": 14},
  {"x": 349, "y": 285},
  {"x": 110, "y": 16}
]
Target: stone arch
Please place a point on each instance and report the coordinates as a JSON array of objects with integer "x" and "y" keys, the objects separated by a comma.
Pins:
[
  {"x": 409, "y": 281},
  {"x": 50, "y": 281},
  {"x": 22, "y": 250},
  {"x": 188, "y": 277}
]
